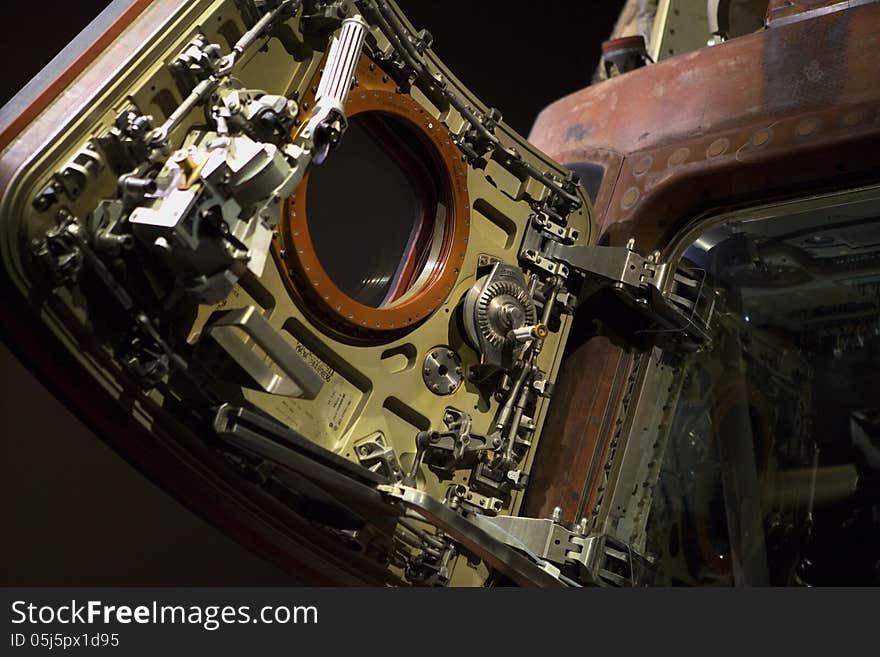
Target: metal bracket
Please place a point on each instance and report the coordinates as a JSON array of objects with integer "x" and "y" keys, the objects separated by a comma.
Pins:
[
  {"x": 298, "y": 379},
  {"x": 677, "y": 307},
  {"x": 541, "y": 537},
  {"x": 461, "y": 494},
  {"x": 619, "y": 264},
  {"x": 542, "y": 261},
  {"x": 608, "y": 562},
  {"x": 473, "y": 537},
  {"x": 598, "y": 558},
  {"x": 375, "y": 454},
  {"x": 60, "y": 252},
  {"x": 451, "y": 449},
  {"x": 565, "y": 234}
]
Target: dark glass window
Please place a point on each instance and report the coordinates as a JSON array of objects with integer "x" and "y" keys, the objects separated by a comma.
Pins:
[
  {"x": 590, "y": 175},
  {"x": 373, "y": 207},
  {"x": 772, "y": 463}
]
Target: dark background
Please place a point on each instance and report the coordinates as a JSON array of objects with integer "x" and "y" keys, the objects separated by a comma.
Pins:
[{"x": 73, "y": 511}]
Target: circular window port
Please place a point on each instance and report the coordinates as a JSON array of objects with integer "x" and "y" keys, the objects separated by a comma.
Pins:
[{"x": 374, "y": 238}]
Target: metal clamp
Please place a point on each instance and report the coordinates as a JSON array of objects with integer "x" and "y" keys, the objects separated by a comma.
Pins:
[{"x": 598, "y": 558}]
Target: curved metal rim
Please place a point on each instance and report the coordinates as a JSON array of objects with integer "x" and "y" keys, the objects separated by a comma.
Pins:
[{"x": 301, "y": 266}]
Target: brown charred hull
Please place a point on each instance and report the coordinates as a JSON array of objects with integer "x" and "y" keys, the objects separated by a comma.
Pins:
[{"x": 791, "y": 110}]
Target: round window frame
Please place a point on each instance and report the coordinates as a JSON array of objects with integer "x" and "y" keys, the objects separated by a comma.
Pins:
[{"x": 302, "y": 270}]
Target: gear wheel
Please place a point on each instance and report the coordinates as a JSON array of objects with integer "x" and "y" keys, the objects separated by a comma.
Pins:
[
  {"x": 498, "y": 303},
  {"x": 501, "y": 307}
]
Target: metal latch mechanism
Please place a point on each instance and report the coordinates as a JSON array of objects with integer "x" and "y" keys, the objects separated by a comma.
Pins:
[
  {"x": 672, "y": 301},
  {"x": 593, "y": 559}
]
